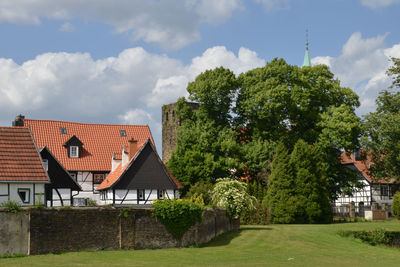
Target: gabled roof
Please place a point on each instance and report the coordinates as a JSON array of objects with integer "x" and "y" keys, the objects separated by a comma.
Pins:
[
  {"x": 59, "y": 177},
  {"x": 19, "y": 157},
  {"x": 99, "y": 141},
  {"x": 145, "y": 170},
  {"x": 73, "y": 141},
  {"x": 363, "y": 167}
]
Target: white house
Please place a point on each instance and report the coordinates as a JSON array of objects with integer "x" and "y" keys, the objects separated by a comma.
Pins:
[
  {"x": 138, "y": 178},
  {"x": 22, "y": 173},
  {"x": 379, "y": 191}
]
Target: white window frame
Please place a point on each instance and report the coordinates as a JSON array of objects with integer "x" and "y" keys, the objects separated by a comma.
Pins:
[
  {"x": 160, "y": 194},
  {"x": 71, "y": 152},
  {"x": 138, "y": 194},
  {"x": 45, "y": 164}
]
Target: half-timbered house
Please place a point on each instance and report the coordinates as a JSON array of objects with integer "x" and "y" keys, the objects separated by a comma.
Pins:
[
  {"x": 22, "y": 174},
  {"x": 59, "y": 191},
  {"x": 138, "y": 177},
  {"x": 84, "y": 149},
  {"x": 373, "y": 190}
]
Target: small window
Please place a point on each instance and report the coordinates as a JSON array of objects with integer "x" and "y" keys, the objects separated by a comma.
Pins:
[
  {"x": 166, "y": 116},
  {"x": 74, "y": 152},
  {"x": 46, "y": 165},
  {"x": 63, "y": 130},
  {"x": 140, "y": 194},
  {"x": 173, "y": 114},
  {"x": 122, "y": 133},
  {"x": 160, "y": 194},
  {"x": 24, "y": 194},
  {"x": 384, "y": 191},
  {"x": 98, "y": 178}
]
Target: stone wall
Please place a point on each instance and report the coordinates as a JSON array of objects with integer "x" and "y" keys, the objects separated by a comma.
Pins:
[{"x": 39, "y": 231}]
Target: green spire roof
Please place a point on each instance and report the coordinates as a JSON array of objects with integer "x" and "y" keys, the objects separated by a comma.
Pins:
[{"x": 307, "y": 60}]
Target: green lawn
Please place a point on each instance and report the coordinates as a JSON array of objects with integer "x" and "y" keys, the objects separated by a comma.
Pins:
[{"x": 272, "y": 245}]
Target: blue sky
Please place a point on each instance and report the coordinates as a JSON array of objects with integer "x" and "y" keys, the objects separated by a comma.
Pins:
[{"x": 118, "y": 61}]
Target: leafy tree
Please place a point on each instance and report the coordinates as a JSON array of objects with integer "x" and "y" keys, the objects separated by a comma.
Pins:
[
  {"x": 204, "y": 152},
  {"x": 382, "y": 131},
  {"x": 215, "y": 90},
  {"x": 396, "y": 205},
  {"x": 232, "y": 195},
  {"x": 203, "y": 189}
]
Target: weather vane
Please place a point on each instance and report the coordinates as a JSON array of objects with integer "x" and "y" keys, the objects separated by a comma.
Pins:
[{"x": 306, "y": 39}]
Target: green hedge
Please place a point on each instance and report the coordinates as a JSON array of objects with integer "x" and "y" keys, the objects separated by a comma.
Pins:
[{"x": 177, "y": 215}]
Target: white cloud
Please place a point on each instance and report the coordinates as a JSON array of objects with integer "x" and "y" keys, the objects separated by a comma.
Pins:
[
  {"x": 67, "y": 27},
  {"x": 129, "y": 88},
  {"x": 362, "y": 66},
  {"x": 379, "y": 3},
  {"x": 170, "y": 23}
]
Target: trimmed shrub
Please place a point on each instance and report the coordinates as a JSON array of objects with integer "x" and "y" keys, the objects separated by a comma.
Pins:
[
  {"x": 177, "y": 215},
  {"x": 396, "y": 205},
  {"x": 203, "y": 189}
]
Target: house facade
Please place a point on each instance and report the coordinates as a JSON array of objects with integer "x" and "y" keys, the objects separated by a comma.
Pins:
[
  {"x": 60, "y": 190},
  {"x": 85, "y": 150},
  {"x": 22, "y": 174},
  {"x": 374, "y": 191},
  {"x": 138, "y": 178}
]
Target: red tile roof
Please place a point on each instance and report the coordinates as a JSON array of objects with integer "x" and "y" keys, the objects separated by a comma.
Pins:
[
  {"x": 99, "y": 141},
  {"x": 363, "y": 167},
  {"x": 19, "y": 157}
]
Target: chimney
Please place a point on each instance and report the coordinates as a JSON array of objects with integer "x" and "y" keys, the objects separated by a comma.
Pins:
[
  {"x": 133, "y": 147},
  {"x": 114, "y": 162},
  {"x": 19, "y": 121}
]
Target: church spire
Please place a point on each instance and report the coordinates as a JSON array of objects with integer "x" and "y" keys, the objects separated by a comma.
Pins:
[{"x": 307, "y": 60}]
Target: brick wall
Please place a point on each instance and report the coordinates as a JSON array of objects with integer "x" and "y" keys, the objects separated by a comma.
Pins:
[{"x": 99, "y": 228}]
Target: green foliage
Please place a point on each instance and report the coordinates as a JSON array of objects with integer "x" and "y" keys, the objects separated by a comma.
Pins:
[
  {"x": 396, "y": 205},
  {"x": 125, "y": 212},
  {"x": 177, "y": 215},
  {"x": 382, "y": 136},
  {"x": 394, "y": 72},
  {"x": 91, "y": 203},
  {"x": 256, "y": 189},
  {"x": 259, "y": 215},
  {"x": 233, "y": 196},
  {"x": 215, "y": 90},
  {"x": 197, "y": 199},
  {"x": 203, "y": 189},
  {"x": 204, "y": 153},
  {"x": 298, "y": 188},
  {"x": 12, "y": 206},
  {"x": 39, "y": 202},
  {"x": 378, "y": 236}
]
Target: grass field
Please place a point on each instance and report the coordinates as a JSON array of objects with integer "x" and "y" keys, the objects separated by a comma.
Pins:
[{"x": 270, "y": 245}]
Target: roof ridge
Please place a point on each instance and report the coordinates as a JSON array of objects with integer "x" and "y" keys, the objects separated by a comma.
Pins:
[{"x": 107, "y": 124}]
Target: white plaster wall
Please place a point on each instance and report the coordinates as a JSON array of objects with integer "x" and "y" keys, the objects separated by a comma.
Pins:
[
  {"x": 3, "y": 191},
  {"x": 65, "y": 194},
  {"x": 363, "y": 195},
  {"x": 39, "y": 188}
]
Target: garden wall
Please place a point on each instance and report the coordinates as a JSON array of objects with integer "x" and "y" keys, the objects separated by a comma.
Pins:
[{"x": 39, "y": 231}]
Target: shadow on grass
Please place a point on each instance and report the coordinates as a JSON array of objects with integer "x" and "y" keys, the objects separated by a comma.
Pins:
[{"x": 226, "y": 238}]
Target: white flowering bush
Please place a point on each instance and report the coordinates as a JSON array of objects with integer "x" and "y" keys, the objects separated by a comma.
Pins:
[{"x": 233, "y": 196}]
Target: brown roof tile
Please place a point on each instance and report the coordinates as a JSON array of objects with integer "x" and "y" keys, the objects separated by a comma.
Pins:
[{"x": 19, "y": 158}]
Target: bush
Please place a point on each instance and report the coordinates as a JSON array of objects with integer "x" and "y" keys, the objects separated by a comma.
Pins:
[
  {"x": 12, "y": 206},
  {"x": 396, "y": 205},
  {"x": 375, "y": 237},
  {"x": 259, "y": 215},
  {"x": 177, "y": 215},
  {"x": 91, "y": 203},
  {"x": 203, "y": 189},
  {"x": 233, "y": 196}
]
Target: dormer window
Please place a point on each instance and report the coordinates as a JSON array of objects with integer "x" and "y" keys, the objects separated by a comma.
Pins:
[
  {"x": 74, "y": 151},
  {"x": 74, "y": 147}
]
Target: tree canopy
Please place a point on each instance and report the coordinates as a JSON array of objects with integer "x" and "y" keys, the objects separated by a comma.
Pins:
[
  {"x": 241, "y": 119},
  {"x": 382, "y": 132}
]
